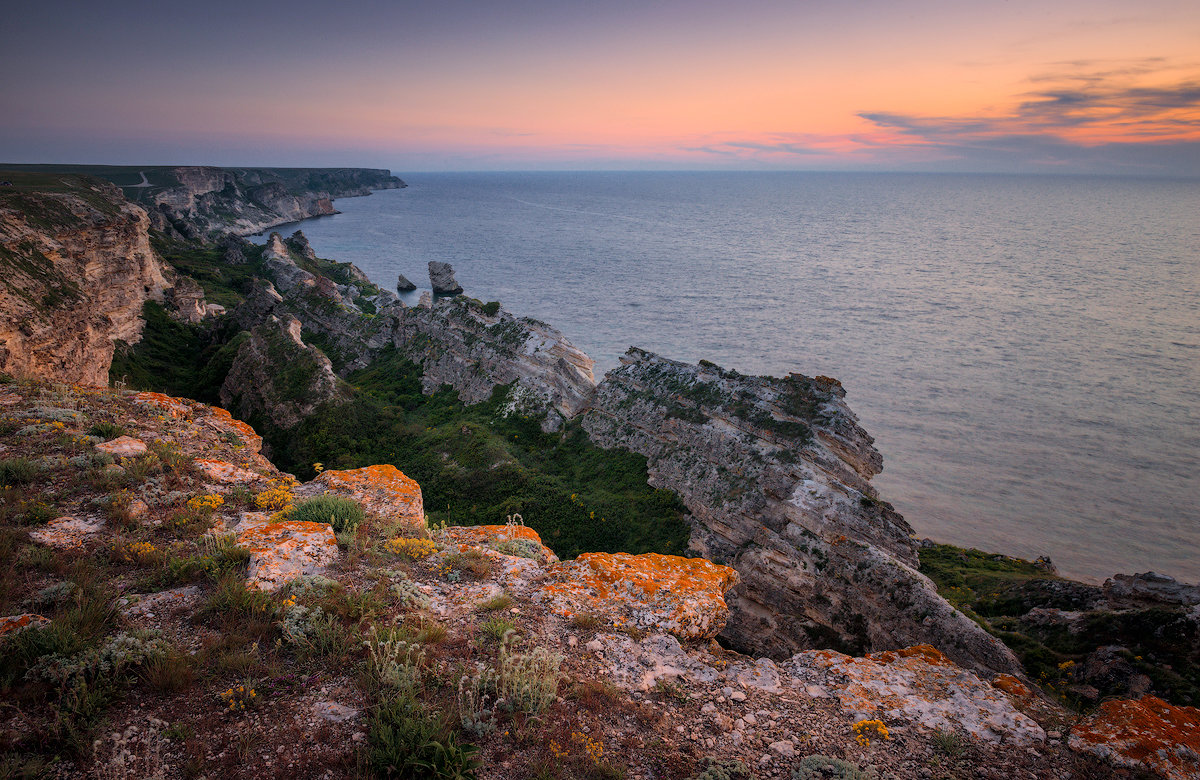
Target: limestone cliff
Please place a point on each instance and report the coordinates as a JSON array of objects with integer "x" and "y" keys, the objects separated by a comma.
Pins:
[
  {"x": 775, "y": 473},
  {"x": 75, "y": 268},
  {"x": 205, "y": 200}
]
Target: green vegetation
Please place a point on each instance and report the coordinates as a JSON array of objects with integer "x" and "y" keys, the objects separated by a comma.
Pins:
[
  {"x": 476, "y": 466},
  {"x": 176, "y": 358},
  {"x": 997, "y": 591},
  {"x": 342, "y": 513},
  {"x": 223, "y": 283}
]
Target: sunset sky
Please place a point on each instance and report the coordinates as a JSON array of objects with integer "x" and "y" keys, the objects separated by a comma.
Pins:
[{"x": 1070, "y": 86}]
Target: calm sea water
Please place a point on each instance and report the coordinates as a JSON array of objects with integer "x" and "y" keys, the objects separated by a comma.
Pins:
[{"x": 1026, "y": 350}]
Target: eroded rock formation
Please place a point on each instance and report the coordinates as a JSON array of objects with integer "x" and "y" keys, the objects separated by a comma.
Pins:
[
  {"x": 775, "y": 473},
  {"x": 441, "y": 277},
  {"x": 75, "y": 268}
]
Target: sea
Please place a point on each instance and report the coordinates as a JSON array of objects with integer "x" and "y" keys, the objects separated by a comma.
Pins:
[{"x": 1024, "y": 349}]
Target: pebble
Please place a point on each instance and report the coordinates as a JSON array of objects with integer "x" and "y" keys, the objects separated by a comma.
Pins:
[
  {"x": 707, "y": 708},
  {"x": 783, "y": 748},
  {"x": 595, "y": 646},
  {"x": 572, "y": 641},
  {"x": 737, "y": 696}
]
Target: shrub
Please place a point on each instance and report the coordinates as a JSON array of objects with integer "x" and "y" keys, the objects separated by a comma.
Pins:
[
  {"x": 171, "y": 671},
  {"x": 395, "y": 664},
  {"x": 496, "y": 627},
  {"x": 529, "y": 681},
  {"x": 726, "y": 769},
  {"x": 410, "y": 595},
  {"x": 949, "y": 742},
  {"x": 818, "y": 767},
  {"x": 522, "y": 548},
  {"x": 106, "y": 430},
  {"x": 342, "y": 513},
  {"x": 499, "y": 601},
  {"x": 18, "y": 471},
  {"x": 472, "y": 562},
  {"x": 474, "y": 693},
  {"x": 410, "y": 549},
  {"x": 406, "y": 740}
]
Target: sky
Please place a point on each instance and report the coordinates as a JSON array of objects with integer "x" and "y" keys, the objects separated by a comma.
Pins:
[{"x": 1070, "y": 86}]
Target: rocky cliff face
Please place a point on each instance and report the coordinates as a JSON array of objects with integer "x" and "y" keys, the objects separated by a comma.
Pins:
[
  {"x": 210, "y": 200},
  {"x": 277, "y": 376},
  {"x": 775, "y": 473},
  {"x": 75, "y": 268}
]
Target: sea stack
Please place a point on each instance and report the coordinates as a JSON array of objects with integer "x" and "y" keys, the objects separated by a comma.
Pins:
[
  {"x": 441, "y": 277},
  {"x": 404, "y": 285}
]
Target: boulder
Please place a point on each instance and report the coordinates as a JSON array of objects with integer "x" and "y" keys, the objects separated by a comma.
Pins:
[
  {"x": 681, "y": 596},
  {"x": 479, "y": 535},
  {"x": 281, "y": 552},
  {"x": 917, "y": 685},
  {"x": 123, "y": 447},
  {"x": 224, "y": 473},
  {"x": 404, "y": 285},
  {"x": 1147, "y": 734},
  {"x": 67, "y": 533},
  {"x": 441, "y": 277},
  {"x": 381, "y": 490}
]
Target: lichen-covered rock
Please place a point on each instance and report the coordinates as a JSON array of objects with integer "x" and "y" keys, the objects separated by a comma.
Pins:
[
  {"x": 1147, "y": 734},
  {"x": 123, "y": 447},
  {"x": 67, "y": 533},
  {"x": 917, "y": 685},
  {"x": 15, "y": 624},
  {"x": 682, "y": 596},
  {"x": 175, "y": 408},
  {"x": 280, "y": 552},
  {"x": 503, "y": 537},
  {"x": 223, "y": 472},
  {"x": 441, "y": 277},
  {"x": 381, "y": 490}
]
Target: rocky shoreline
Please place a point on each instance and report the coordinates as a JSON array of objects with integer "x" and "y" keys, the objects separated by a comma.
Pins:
[{"x": 773, "y": 475}]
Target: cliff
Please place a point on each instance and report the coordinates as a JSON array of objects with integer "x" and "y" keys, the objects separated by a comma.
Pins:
[
  {"x": 76, "y": 267},
  {"x": 206, "y": 201},
  {"x": 775, "y": 473}
]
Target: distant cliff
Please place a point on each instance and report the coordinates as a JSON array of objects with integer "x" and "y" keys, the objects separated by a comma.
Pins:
[{"x": 206, "y": 201}]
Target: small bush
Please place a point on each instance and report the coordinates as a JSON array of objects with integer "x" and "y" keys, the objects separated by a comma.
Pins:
[
  {"x": 472, "y": 562},
  {"x": 170, "y": 672},
  {"x": 522, "y": 548},
  {"x": 725, "y": 770},
  {"x": 818, "y": 767},
  {"x": 342, "y": 513},
  {"x": 500, "y": 601},
  {"x": 18, "y": 471},
  {"x": 410, "y": 549},
  {"x": 106, "y": 430},
  {"x": 496, "y": 627},
  {"x": 949, "y": 742},
  {"x": 407, "y": 740},
  {"x": 529, "y": 681},
  {"x": 395, "y": 665}
]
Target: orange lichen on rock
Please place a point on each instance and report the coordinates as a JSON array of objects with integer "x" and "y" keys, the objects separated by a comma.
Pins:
[
  {"x": 225, "y": 422},
  {"x": 67, "y": 533},
  {"x": 1145, "y": 734},
  {"x": 225, "y": 473},
  {"x": 177, "y": 408},
  {"x": 381, "y": 490},
  {"x": 17, "y": 623},
  {"x": 477, "y": 535},
  {"x": 282, "y": 551},
  {"x": 1012, "y": 686},
  {"x": 916, "y": 685},
  {"x": 682, "y": 596}
]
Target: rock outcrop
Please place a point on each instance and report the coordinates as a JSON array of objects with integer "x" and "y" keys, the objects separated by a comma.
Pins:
[
  {"x": 277, "y": 376},
  {"x": 775, "y": 473},
  {"x": 404, "y": 285},
  {"x": 283, "y": 550},
  {"x": 381, "y": 490},
  {"x": 681, "y": 596},
  {"x": 1147, "y": 734},
  {"x": 75, "y": 268},
  {"x": 441, "y": 277}
]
